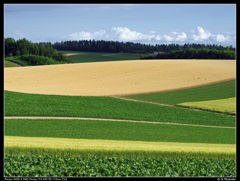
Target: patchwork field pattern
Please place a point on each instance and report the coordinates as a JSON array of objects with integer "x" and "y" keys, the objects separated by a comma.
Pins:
[{"x": 204, "y": 145}]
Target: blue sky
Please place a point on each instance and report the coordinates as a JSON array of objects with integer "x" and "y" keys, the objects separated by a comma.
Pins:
[{"x": 144, "y": 23}]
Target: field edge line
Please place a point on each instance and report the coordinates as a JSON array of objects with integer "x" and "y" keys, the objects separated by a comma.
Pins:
[{"x": 116, "y": 120}]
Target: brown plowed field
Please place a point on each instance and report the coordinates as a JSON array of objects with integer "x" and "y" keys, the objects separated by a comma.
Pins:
[{"x": 117, "y": 77}]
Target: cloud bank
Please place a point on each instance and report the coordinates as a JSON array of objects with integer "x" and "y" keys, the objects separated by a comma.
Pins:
[{"x": 198, "y": 35}]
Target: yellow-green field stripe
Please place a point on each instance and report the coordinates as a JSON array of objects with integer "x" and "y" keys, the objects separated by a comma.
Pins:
[
  {"x": 113, "y": 145},
  {"x": 221, "y": 105}
]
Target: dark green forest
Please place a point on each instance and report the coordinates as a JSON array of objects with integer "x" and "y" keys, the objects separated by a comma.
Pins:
[
  {"x": 24, "y": 52},
  {"x": 194, "y": 53},
  {"x": 129, "y": 47}
]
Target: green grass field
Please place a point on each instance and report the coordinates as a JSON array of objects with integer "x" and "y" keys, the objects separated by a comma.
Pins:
[
  {"x": 106, "y": 130},
  {"x": 215, "y": 91},
  {"x": 100, "y": 56},
  {"x": 22, "y": 104},
  {"x": 220, "y": 105}
]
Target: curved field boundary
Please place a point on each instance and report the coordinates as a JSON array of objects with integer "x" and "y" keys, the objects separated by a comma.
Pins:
[
  {"x": 175, "y": 89},
  {"x": 169, "y": 105},
  {"x": 120, "y": 120},
  {"x": 117, "y": 77}
]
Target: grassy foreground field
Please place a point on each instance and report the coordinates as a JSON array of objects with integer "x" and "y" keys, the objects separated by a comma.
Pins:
[
  {"x": 22, "y": 104},
  {"x": 109, "y": 155}
]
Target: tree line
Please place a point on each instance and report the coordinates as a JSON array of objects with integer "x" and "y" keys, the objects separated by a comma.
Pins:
[
  {"x": 194, "y": 53},
  {"x": 33, "y": 53},
  {"x": 40, "y": 52},
  {"x": 128, "y": 47}
]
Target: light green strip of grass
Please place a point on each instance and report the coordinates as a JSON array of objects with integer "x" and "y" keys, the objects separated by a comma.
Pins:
[
  {"x": 128, "y": 131},
  {"x": 111, "y": 146},
  {"x": 23, "y": 104},
  {"x": 221, "y": 90},
  {"x": 222, "y": 105},
  {"x": 10, "y": 64}
]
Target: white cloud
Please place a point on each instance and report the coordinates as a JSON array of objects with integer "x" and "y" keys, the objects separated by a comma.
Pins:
[
  {"x": 125, "y": 34},
  {"x": 221, "y": 38},
  {"x": 201, "y": 34},
  {"x": 98, "y": 34},
  {"x": 168, "y": 38},
  {"x": 83, "y": 35},
  {"x": 181, "y": 37},
  {"x": 158, "y": 37}
]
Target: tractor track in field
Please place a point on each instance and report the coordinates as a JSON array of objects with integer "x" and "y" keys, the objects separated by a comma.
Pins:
[{"x": 116, "y": 120}]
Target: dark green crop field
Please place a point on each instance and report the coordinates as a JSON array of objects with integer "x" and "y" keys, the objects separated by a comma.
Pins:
[
  {"x": 100, "y": 56},
  {"x": 38, "y": 165},
  {"x": 22, "y": 104},
  {"x": 107, "y": 130},
  {"x": 215, "y": 91}
]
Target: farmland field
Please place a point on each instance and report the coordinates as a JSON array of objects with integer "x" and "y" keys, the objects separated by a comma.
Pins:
[
  {"x": 83, "y": 57},
  {"x": 221, "y": 105},
  {"x": 65, "y": 120},
  {"x": 23, "y": 104},
  {"x": 117, "y": 78},
  {"x": 221, "y": 90},
  {"x": 65, "y": 166},
  {"x": 95, "y": 129}
]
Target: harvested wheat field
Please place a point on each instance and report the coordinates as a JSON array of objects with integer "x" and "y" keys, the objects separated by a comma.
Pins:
[{"x": 118, "y": 77}]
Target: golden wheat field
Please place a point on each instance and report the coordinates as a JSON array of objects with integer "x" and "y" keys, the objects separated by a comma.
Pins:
[{"x": 117, "y": 77}]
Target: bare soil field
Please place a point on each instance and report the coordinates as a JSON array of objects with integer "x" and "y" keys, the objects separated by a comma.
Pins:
[
  {"x": 117, "y": 77},
  {"x": 70, "y": 54}
]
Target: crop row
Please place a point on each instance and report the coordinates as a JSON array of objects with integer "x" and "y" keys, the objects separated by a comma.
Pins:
[{"x": 38, "y": 165}]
